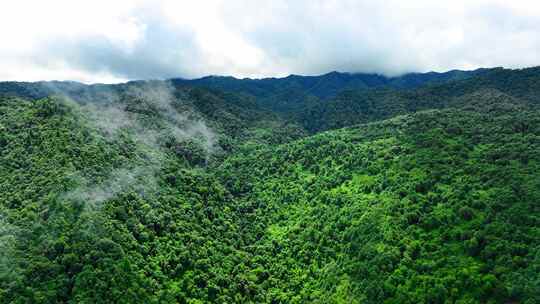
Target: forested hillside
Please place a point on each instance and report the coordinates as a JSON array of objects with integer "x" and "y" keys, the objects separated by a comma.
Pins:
[
  {"x": 358, "y": 106},
  {"x": 422, "y": 189},
  {"x": 438, "y": 206}
]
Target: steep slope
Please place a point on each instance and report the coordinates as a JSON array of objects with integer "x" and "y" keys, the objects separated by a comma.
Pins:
[
  {"x": 95, "y": 214},
  {"x": 355, "y": 107},
  {"x": 429, "y": 208}
]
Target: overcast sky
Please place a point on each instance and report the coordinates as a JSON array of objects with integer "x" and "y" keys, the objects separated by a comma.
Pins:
[{"x": 112, "y": 41}]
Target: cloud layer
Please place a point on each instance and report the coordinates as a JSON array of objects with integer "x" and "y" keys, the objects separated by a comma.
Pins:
[{"x": 111, "y": 41}]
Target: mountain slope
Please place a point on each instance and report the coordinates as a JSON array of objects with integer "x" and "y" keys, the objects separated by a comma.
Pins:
[
  {"x": 93, "y": 217},
  {"x": 434, "y": 207},
  {"x": 440, "y": 205},
  {"x": 360, "y": 106}
]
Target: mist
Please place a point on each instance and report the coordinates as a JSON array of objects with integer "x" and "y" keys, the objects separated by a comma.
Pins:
[
  {"x": 9, "y": 254},
  {"x": 126, "y": 111}
]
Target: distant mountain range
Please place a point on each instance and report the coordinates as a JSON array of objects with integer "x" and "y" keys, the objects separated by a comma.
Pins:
[
  {"x": 322, "y": 86},
  {"x": 282, "y": 93},
  {"x": 326, "y": 85}
]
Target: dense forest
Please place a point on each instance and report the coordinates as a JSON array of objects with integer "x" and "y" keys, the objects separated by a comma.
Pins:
[{"x": 340, "y": 188}]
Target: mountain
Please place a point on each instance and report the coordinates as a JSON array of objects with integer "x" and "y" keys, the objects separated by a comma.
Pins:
[
  {"x": 403, "y": 191},
  {"x": 325, "y": 85},
  {"x": 284, "y": 94},
  {"x": 359, "y": 106},
  {"x": 435, "y": 207}
]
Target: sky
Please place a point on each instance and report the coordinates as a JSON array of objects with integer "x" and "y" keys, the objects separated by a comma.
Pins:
[{"x": 114, "y": 41}]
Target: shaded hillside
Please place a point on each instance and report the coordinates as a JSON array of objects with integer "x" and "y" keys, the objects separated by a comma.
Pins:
[
  {"x": 360, "y": 106},
  {"x": 316, "y": 102},
  {"x": 237, "y": 116},
  {"x": 354, "y": 107}
]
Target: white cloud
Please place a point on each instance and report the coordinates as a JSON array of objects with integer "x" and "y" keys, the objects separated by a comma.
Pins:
[{"x": 110, "y": 41}]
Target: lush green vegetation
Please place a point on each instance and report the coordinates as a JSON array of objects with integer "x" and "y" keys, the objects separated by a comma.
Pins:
[
  {"x": 438, "y": 206},
  {"x": 356, "y": 106},
  {"x": 427, "y": 195}
]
